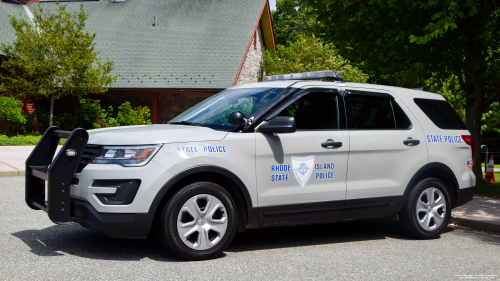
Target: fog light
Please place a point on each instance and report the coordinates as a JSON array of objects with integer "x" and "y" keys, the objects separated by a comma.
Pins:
[{"x": 124, "y": 194}]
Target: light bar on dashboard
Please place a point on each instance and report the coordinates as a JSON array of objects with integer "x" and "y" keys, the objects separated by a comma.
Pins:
[{"x": 326, "y": 74}]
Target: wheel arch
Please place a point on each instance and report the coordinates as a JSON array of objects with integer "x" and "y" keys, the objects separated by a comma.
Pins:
[
  {"x": 225, "y": 178},
  {"x": 439, "y": 171}
]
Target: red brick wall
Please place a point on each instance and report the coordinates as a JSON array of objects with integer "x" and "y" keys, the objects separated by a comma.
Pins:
[
  {"x": 173, "y": 104},
  {"x": 170, "y": 104}
]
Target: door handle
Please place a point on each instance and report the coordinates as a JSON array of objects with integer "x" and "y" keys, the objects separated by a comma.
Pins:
[
  {"x": 331, "y": 143},
  {"x": 411, "y": 142}
]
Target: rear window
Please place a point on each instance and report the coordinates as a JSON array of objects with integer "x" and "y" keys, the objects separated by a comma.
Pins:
[{"x": 441, "y": 114}]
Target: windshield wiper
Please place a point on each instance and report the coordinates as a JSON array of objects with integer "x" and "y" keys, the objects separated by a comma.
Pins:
[{"x": 186, "y": 123}]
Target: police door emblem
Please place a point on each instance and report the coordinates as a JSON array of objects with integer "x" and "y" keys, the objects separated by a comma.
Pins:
[{"x": 302, "y": 168}]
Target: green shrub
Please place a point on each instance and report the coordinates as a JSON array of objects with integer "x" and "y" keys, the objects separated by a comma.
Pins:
[
  {"x": 67, "y": 121},
  {"x": 89, "y": 116},
  {"x": 128, "y": 116},
  {"x": 31, "y": 125},
  {"x": 21, "y": 140},
  {"x": 90, "y": 111},
  {"x": 11, "y": 116},
  {"x": 105, "y": 120},
  {"x": 40, "y": 123}
]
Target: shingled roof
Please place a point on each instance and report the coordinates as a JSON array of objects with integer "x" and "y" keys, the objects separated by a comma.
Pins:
[
  {"x": 196, "y": 44},
  {"x": 7, "y": 33}
]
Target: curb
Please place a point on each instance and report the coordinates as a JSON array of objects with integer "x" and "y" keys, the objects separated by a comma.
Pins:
[
  {"x": 475, "y": 223},
  {"x": 11, "y": 173}
]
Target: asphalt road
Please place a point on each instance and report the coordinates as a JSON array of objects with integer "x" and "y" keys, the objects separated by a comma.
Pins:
[{"x": 32, "y": 247}]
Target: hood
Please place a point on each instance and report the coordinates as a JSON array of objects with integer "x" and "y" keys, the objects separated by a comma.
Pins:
[{"x": 152, "y": 134}]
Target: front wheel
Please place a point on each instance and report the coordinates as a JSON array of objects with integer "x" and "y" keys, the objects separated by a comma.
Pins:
[
  {"x": 427, "y": 209},
  {"x": 198, "y": 222}
]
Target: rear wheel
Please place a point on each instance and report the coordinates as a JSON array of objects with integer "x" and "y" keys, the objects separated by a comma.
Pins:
[
  {"x": 198, "y": 222},
  {"x": 427, "y": 209}
]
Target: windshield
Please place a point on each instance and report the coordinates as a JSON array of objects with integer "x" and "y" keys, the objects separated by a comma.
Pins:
[{"x": 213, "y": 112}]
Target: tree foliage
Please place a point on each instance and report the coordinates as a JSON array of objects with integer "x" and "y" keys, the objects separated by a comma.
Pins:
[
  {"x": 309, "y": 54},
  {"x": 53, "y": 57},
  {"x": 289, "y": 21},
  {"x": 420, "y": 39},
  {"x": 10, "y": 114}
]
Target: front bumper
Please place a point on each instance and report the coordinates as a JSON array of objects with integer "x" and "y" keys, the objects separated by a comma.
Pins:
[
  {"x": 116, "y": 225},
  {"x": 116, "y": 217}
]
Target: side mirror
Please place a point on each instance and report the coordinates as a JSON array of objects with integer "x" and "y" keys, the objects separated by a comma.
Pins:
[
  {"x": 281, "y": 124},
  {"x": 237, "y": 118}
]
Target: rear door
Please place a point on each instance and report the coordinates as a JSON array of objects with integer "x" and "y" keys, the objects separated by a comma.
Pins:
[{"x": 387, "y": 147}]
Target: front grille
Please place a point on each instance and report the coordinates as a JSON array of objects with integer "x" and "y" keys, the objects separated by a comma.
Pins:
[{"x": 91, "y": 151}]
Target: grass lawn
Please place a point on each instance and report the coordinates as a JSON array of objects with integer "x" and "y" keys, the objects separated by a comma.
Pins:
[
  {"x": 496, "y": 165},
  {"x": 489, "y": 189},
  {"x": 22, "y": 140}
]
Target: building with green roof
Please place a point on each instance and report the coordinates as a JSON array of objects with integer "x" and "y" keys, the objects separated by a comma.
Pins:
[{"x": 171, "y": 54}]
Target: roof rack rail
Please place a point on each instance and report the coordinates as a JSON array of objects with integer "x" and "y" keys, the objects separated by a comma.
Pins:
[{"x": 326, "y": 75}]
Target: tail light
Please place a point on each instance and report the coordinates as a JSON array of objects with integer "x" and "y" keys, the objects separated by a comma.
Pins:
[{"x": 470, "y": 141}]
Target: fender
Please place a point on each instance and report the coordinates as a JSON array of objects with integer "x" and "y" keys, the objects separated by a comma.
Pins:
[
  {"x": 430, "y": 167},
  {"x": 200, "y": 169}
]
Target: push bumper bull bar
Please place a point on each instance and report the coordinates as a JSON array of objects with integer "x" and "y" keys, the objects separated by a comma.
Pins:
[{"x": 58, "y": 172}]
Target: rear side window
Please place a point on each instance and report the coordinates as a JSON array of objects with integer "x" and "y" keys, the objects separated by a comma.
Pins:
[
  {"x": 370, "y": 112},
  {"x": 441, "y": 114},
  {"x": 402, "y": 121}
]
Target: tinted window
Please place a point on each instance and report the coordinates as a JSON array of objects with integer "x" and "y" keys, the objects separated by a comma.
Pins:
[
  {"x": 441, "y": 113},
  {"x": 314, "y": 111},
  {"x": 402, "y": 121},
  {"x": 371, "y": 112}
]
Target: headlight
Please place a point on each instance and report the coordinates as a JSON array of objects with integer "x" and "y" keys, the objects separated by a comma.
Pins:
[{"x": 128, "y": 156}]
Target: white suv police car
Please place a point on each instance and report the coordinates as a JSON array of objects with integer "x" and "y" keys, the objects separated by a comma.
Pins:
[{"x": 287, "y": 151}]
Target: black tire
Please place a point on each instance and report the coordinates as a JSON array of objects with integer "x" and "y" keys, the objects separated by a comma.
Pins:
[
  {"x": 408, "y": 215},
  {"x": 167, "y": 227}
]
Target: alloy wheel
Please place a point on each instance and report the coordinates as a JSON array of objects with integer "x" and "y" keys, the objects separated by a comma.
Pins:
[
  {"x": 431, "y": 209},
  {"x": 202, "y": 222}
]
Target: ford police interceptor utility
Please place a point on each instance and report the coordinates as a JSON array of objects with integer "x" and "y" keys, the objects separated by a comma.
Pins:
[{"x": 289, "y": 150}]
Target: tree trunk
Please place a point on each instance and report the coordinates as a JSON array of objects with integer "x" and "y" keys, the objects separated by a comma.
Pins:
[
  {"x": 51, "y": 115},
  {"x": 473, "y": 114}
]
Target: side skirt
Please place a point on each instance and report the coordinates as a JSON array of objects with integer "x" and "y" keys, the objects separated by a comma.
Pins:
[
  {"x": 369, "y": 208},
  {"x": 322, "y": 212}
]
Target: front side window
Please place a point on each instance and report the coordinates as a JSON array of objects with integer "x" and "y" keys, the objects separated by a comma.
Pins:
[
  {"x": 213, "y": 112},
  {"x": 314, "y": 111}
]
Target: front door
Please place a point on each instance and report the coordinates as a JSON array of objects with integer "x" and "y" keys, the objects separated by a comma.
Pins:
[{"x": 302, "y": 175}]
